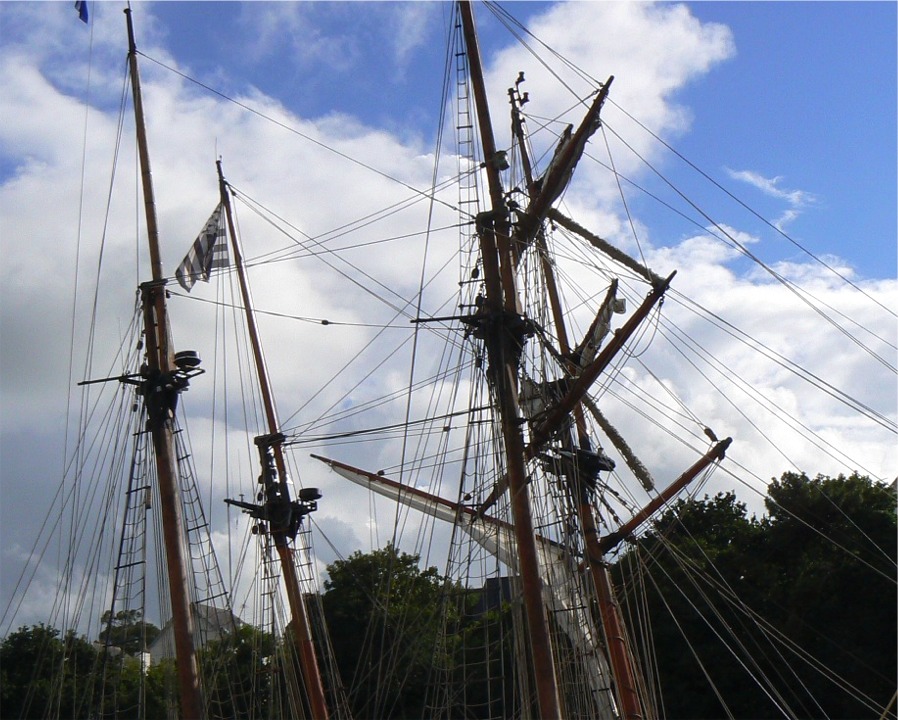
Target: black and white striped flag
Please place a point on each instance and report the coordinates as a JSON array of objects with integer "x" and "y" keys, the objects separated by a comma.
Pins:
[{"x": 209, "y": 251}]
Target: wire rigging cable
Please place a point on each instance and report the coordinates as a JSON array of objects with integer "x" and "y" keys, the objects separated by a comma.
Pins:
[
  {"x": 293, "y": 130},
  {"x": 800, "y": 293},
  {"x": 792, "y": 240}
]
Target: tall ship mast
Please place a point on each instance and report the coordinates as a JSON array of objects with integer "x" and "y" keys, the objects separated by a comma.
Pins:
[
  {"x": 166, "y": 375},
  {"x": 278, "y": 514},
  {"x": 164, "y": 378},
  {"x": 505, "y": 232},
  {"x": 484, "y": 370}
]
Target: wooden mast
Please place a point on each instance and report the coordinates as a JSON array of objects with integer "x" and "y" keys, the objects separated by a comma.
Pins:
[
  {"x": 280, "y": 533},
  {"x": 619, "y": 656},
  {"x": 503, "y": 331},
  {"x": 715, "y": 454},
  {"x": 161, "y": 385},
  {"x": 619, "y": 659}
]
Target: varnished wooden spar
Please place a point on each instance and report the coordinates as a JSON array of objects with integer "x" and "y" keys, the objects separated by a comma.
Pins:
[
  {"x": 622, "y": 665},
  {"x": 496, "y": 536},
  {"x": 558, "y": 413},
  {"x": 715, "y": 454},
  {"x": 623, "y": 668},
  {"x": 280, "y": 534},
  {"x": 499, "y": 329},
  {"x": 556, "y": 416},
  {"x": 160, "y": 397},
  {"x": 559, "y": 172}
]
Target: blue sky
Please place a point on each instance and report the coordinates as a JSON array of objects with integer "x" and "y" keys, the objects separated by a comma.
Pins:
[
  {"x": 809, "y": 96},
  {"x": 790, "y": 106}
]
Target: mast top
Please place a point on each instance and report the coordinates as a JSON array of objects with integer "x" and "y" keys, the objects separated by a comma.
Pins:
[
  {"x": 146, "y": 172},
  {"x": 132, "y": 46}
]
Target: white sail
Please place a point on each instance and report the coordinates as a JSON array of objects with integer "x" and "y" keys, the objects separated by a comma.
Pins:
[{"x": 560, "y": 582}]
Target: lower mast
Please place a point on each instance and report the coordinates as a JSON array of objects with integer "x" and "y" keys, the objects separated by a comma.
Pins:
[
  {"x": 503, "y": 331},
  {"x": 162, "y": 382}
]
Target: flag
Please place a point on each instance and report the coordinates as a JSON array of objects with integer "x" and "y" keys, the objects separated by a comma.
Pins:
[
  {"x": 81, "y": 7},
  {"x": 209, "y": 251}
]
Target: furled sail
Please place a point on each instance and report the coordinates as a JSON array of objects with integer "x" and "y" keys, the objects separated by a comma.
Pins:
[{"x": 559, "y": 569}]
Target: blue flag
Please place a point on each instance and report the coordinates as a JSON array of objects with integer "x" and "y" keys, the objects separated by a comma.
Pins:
[{"x": 81, "y": 7}]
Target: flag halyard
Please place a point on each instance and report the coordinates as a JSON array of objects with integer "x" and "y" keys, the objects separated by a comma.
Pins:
[{"x": 208, "y": 252}]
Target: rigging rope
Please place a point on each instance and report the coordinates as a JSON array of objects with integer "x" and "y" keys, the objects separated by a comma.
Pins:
[
  {"x": 786, "y": 364},
  {"x": 756, "y": 214},
  {"x": 295, "y": 131},
  {"x": 623, "y": 197},
  {"x": 799, "y": 293}
]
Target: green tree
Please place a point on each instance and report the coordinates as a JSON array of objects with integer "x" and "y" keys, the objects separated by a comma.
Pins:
[
  {"x": 43, "y": 673},
  {"x": 479, "y": 654},
  {"x": 383, "y": 615},
  {"x": 831, "y": 549},
  {"x": 237, "y": 672},
  {"x": 695, "y": 547},
  {"x": 127, "y": 630},
  {"x": 723, "y": 589},
  {"x": 132, "y": 690}
]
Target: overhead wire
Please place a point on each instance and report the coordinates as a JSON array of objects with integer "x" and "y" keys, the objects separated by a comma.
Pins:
[
  {"x": 411, "y": 380},
  {"x": 770, "y": 632},
  {"x": 78, "y": 238},
  {"x": 615, "y": 174},
  {"x": 623, "y": 197},
  {"x": 288, "y": 316},
  {"x": 750, "y": 390},
  {"x": 765, "y": 686},
  {"x": 612, "y": 166},
  {"x": 510, "y": 21},
  {"x": 498, "y": 11},
  {"x": 836, "y": 544},
  {"x": 72, "y": 461},
  {"x": 791, "y": 366},
  {"x": 695, "y": 574},
  {"x": 711, "y": 232}
]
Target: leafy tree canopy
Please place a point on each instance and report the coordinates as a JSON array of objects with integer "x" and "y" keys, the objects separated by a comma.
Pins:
[
  {"x": 127, "y": 630},
  {"x": 43, "y": 672},
  {"x": 382, "y": 612},
  {"x": 819, "y": 568},
  {"x": 722, "y": 597},
  {"x": 242, "y": 675}
]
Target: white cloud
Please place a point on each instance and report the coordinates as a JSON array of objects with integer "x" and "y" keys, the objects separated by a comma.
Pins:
[
  {"x": 797, "y": 200},
  {"x": 653, "y": 50},
  {"x": 412, "y": 21}
]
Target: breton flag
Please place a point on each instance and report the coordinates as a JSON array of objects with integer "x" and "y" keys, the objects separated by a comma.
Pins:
[
  {"x": 81, "y": 7},
  {"x": 209, "y": 251}
]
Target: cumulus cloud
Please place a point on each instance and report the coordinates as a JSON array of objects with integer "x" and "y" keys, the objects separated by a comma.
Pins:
[{"x": 331, "y": 177}]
